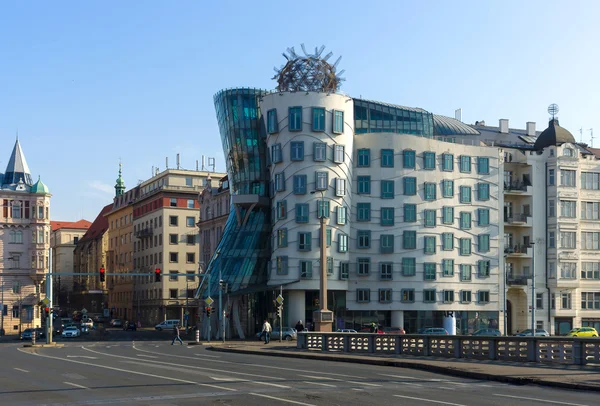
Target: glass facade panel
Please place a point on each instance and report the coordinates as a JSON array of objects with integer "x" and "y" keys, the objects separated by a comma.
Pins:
[{"x": 374, "y": 117}]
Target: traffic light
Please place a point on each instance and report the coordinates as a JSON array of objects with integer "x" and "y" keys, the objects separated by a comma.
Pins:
[
  {"x": 46, "y": 311},
  {"x": 102, "y": 275},
  {"x": 157, "y": 275},
  {"x": 208, "y": 311},
  {"x": 279, "y": 311}
]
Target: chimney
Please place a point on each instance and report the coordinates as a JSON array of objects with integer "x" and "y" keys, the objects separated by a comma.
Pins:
[
  {"x": 531, "y": 128},
  {"x": 458, "y": 114},
  {"x": 504, "y": 126}
]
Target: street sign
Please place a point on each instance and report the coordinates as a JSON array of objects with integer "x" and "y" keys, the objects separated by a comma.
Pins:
[
  {"x": 46, "y": 301},
  {"x": 187, "y": 316},
  {"x": 209, "y": 301},
  {"x": 187, "y": 313},
  {"x": 279, "y": 300}
]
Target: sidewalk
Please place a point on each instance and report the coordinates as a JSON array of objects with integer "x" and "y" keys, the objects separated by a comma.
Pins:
[{"x": 561, "y": 376}]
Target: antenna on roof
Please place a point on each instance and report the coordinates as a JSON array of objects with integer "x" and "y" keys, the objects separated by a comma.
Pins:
[
  {"x": 553, "y": 110},
  {"x": 581, "y": 134},
  {"x": 211, "y": 162},
  {"x": 592, "y": 137},
  {"x": 203, "y": 163},
  {"x": 177, "y": 160},
  {"x": 196, "y": 165},
  {"x": 167, "y": 162}
]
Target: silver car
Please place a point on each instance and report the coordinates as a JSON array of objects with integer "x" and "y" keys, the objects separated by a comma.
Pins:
[
  {"x": 288, "y": 333},
  {"x": 539, "y": 332}
]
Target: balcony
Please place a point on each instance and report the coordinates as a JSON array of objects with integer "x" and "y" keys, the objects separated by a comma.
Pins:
[
  {"x": 145, "y": 232},
  {"x": 516, "y": 187},
  {"x": 516, "y": 219},
  {"x": 517, "y": 279},
  {"x": 517, "y": 250}
]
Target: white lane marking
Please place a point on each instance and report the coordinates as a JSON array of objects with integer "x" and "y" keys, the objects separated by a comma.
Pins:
[
  {"x": 301, "y": 370},
  {"x": 22, "y": 370},
  {"x": 444, "y": 387},
  {"x": 128, "y": 371},
  {"x": 146, "y": 356},
  {"x": 320, "y": 384},
  {"x": 280, "y": 399},
  {"x": 409, "y": 383},
  {"x": 75, "y": 385},
  {"x": 356, "y": 389},
  {"x": 188, "y": 366},
  {"x": 429, "y": 400},
  {"x": 185, "y": 357},
  {"x": 540, "y": 400},
  {"x": 81, "y": 356},
  {"x": 218, "y": 378},
  {"x": 415, "y": 378},
  {"x": 204, "y": 355},
  {"x": 341, "y": 380}
]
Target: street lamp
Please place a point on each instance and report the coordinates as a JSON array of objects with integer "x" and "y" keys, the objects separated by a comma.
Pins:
[
  {"x": 505, "y": 294},
  {"x": 322, "y": 318},
  {"x": 533, "y": 291}
]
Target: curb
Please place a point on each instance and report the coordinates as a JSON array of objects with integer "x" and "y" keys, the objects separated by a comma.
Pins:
[
  {"x": 422, "y": 367},
  {"x": 53, "y": 345}
]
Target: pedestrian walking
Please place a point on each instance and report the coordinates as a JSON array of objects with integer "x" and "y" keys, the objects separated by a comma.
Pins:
[
  {"x": 299, "y": 326},
  {"x": 266, "y": 330},
  {"x": 176, "y": 335}
]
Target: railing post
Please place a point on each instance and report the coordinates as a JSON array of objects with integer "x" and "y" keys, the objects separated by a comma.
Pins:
[
  {"x": 457, "y": 347},
  {"x": 493, "y": 349},
  {"x": 346, "y": 342},
  {"x": 301, "y": 340},
  {"x": 532, "y": 349},
  {"x": 371, "y": 342},
  {"x": 426, "y": 349},
  {"x": 324, "y": 342},
  {"x": 398, "y": 345},
  {"x": 578, "y": 352}
]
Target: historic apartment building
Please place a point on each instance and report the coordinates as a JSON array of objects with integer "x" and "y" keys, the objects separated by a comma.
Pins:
[
  {"x": 24, "y": 245},
  {"x": 214, "y": 210}
]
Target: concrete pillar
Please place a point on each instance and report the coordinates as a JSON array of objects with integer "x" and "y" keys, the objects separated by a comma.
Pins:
[
  {"x": 397, "y": 318},
  {"x": 296, "y": 304},
  {"x": 450, "y": 322}
]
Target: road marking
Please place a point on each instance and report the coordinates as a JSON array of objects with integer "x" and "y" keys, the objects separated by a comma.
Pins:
[
  {"x": 218, "y": 378},
  {"x": 340, "y": 380},
  {"x": 429, "y": 400},
  {"x": 187, "y": 356},
  {"x": 414, "y": 378},
  {"x": 320, "y": 384},
  {"x": 81, "y": 356},
  {"x": 22, "y": 370},
  {"x": 75, "y": 385},
  {"x": 409, "y": 383},
  {"x": 540, "y": 400},
  {"x": 147, "y": 356},
  {"x": 358, "y": 390},
  {"x": 168, "y": 378},
  {"x": 301, "y": 370},
  {"x": 280, "y": 399},
  {"x": 444, "y": 387},
  {"x": 203, "y": 355}
]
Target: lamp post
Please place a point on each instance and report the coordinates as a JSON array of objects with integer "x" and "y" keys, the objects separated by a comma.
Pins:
[
  {"x": 533, "y": 291},
  {"x": 505, "y": 294},
  {"x": 323, "y": 318}
]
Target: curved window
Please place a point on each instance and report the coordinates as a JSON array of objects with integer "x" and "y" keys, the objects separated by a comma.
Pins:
[{"x": 568, "y": 152}]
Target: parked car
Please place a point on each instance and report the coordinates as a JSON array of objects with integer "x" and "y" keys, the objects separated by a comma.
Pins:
[
  {"x": 583, "y": 332},
  {"x": 27, "y": 333},
  {"x": 116, "y": 323},
  {"x": 345, "y": 330},
  {"x": 130, "y": 325},
  {"x": 41, "y": 332},
  {"x": 288, "y": 333},
  {"x": 492, "y": 332},
  {"x": 71, "y": 331},
  {"x": 539, "y": 332},
  {"x": 433, "y": 331},
  {"x": 167, "y": 325},
  {"x": 393, "y": 330}
]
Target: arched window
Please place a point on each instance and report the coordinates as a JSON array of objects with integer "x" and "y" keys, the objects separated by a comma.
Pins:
[{"x": 568, "y": 152}]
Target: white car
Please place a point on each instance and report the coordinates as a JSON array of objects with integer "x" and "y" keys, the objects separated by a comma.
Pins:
[{"x": 71, "y": 331}]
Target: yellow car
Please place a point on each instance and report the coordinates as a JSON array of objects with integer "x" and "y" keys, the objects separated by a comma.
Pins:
[{"x": 583, "y": 332}]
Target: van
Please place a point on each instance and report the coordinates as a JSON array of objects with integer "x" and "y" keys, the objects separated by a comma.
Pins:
[{"x": 167, "y": 324}]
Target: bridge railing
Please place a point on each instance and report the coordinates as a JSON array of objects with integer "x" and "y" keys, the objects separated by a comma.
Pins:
[{"x": 555, "y": 350}]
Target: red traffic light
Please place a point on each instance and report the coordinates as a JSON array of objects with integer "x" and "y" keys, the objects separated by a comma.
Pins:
[
  {"x": 157, "y": 275},
  {"x": 47, "y": 309},
  {"x": 102, "y": 275}
]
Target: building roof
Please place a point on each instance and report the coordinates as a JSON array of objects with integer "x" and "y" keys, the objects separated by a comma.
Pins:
[
  {"x": 594, "y": 151},
  {"x": 396, "y": 106},
  {"x": 99, "y": 226},
  {"x": 40, "y": 188},
  {"x": 553, "y": 135},
  {"x": 443, "y": 125},
  {"x": 72, "y": 225},
  {"x": 17, "y": 168}
]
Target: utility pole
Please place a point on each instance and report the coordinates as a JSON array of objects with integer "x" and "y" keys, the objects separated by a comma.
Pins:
[
  {"x": 209, "y": 307},
  {"x": 533, "y": 298},
  {"x": 281, "y": 311},
  {"x": 49, "y": 297}
]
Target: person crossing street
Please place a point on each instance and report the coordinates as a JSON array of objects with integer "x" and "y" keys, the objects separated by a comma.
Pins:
[
  {"x": 266, "y": 330},
  {"x": 176, "y": 335}
]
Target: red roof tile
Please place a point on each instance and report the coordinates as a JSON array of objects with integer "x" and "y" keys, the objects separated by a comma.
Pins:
[
  {"x": 78, "y": 225},
  {"x": 99, "y": 226}
]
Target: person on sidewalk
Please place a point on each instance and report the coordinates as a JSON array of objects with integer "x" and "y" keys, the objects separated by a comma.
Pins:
[
  {"x": 299, "y": 326},
  {"x": 176, "y": 335},
  {"x": 266, "y": 330}
]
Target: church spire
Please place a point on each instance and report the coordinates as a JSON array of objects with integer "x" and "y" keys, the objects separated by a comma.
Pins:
[
  {"x": 120, "y": 185},
  {"x": 17, "y": 168}
]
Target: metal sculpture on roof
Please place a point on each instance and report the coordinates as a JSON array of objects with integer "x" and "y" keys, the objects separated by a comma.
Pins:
[
  {"x": 553, "y": 110},
  {"x": 310, "y": 72}
]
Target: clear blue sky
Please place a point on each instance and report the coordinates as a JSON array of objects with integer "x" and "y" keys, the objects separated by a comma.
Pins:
[{"x": 87, "y": 83}]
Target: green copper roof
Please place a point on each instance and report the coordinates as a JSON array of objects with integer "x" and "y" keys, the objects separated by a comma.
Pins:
[
  {"x": 120, "y": 185},
  {"x": 40, "y": 187}
]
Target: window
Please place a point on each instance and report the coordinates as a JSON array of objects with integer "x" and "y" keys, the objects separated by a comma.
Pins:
[
  {"x": 172, "y": 293},
  {"x": 590, "y": 270},
  {"x": 295, "y": 118},
  {"x": 551, "y": 239},
  {"x": 447, "y": 188},
  {"x": 282, "y": 237},
  {"x": 429, "y": 244},
  {"x": 363, "y": 295},
  {"x": 465, "y": 220},
  {"x": 448, "y": 162},
  {"x": 590, "y": 180},
  {"x": 465, "y": 163},
  {"x": 483, "y": 191},
  {"x": 483, "y": 242},
  {"x": 465, "y": 194},
  {"x": 363, "y": 212},
  {"x": 410, "y": 213},
  {"x": 344, "y": 270},
  {"x": 429, "y": 217},
  {"x": 483, "y": 165},
  {"x": 364, "y": 158},
  {"x": 338, "y": 121},
  {"x": 567, "y": 178},
  {"x": 465, "y": 246},
  {"x": 272, "y": 123},
  {"x": 590, "y": 210},
  {"x": 409, "y": 266},
  {"x": 429, "y": 160},
  {"x": 465, "y": 272},
  {"x": 429, "y": 295},
  {"x": 409, "y": 240},
  {"x": 387, "y": 189},
  {"x": 341, "y": 215},
  {"x": 386, "y": 243},
  {"x": 281, "y": 265},
  {"x": 318, "y": 123},
  {"x": 407, "y": 295},
  {"x": 551, "y": 208},
  {"x": 297, "y": 150},
  {"x": 465, "y": 296},
  {"x": 429, "y": 191},
  {"x": 190, "y": 203},
  {"x": 387, "y": 158},
  {"x": 429, "y": 271},
  {"x": 568, "y": 208},
  {"x": 323, "y": 209},
  {"x": 385, "y": 271},
  {"x": 305, "y": 269},
  {"x": 173, "y": 257},
  {"x": 483, "y": 269},
  {"x": 385, "y": 295},
  {"x": 319, "y": 151},
  {"x": 447, "y": 241},
  {"x": 342, "y": 243},
  {"x": 408, "y": 159},
  {"x": 173, "y": 239},
  {"x": 276, "y": 155},
  {"x": 568, "y": 270},
  {"x": 410, "y": 186},
  {"x": 363, "y": 266},
  {"x": 567, "y": 240},
  {"x": 590, "y": 241},
  {"x": 327, "y": 237},
  {"x": 568, "y": 152},
  {"x": 340, "y": 187},
  {"x": 551, "y": 175},
  {"x": 364, "y": 238},
  {"x": 565, "y": 301},
  {"x": 590, "y": 300},
  {"x": 281, "y": 209},
  {"x": 173, "y": 221},
  {"x": 338, "y": 154},
  {"x": 321, "y": 180},
  {"x": 304, "y": 241},
  {"x": 190, "y": 221},
  {"x": 364, "y": 185},
  {"x": 448, "y": 296},
  {"x": 448, "y": 215},
  {"x": 387, "y": 216},
  {"x": 483, "y": 217},
  {"x": 539, "y": 301},
  {"x": 190, "y": 257},
  {"x": 447, "y": 267},
  {"x": 301, "y": 213},
  {"x": 299, "y": 184},
  {"x": 172, "y": 203},
  {"x": 280, "y": 182}
]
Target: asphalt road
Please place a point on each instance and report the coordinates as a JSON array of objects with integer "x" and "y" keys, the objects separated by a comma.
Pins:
[{"x": 156, "y": 373}]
